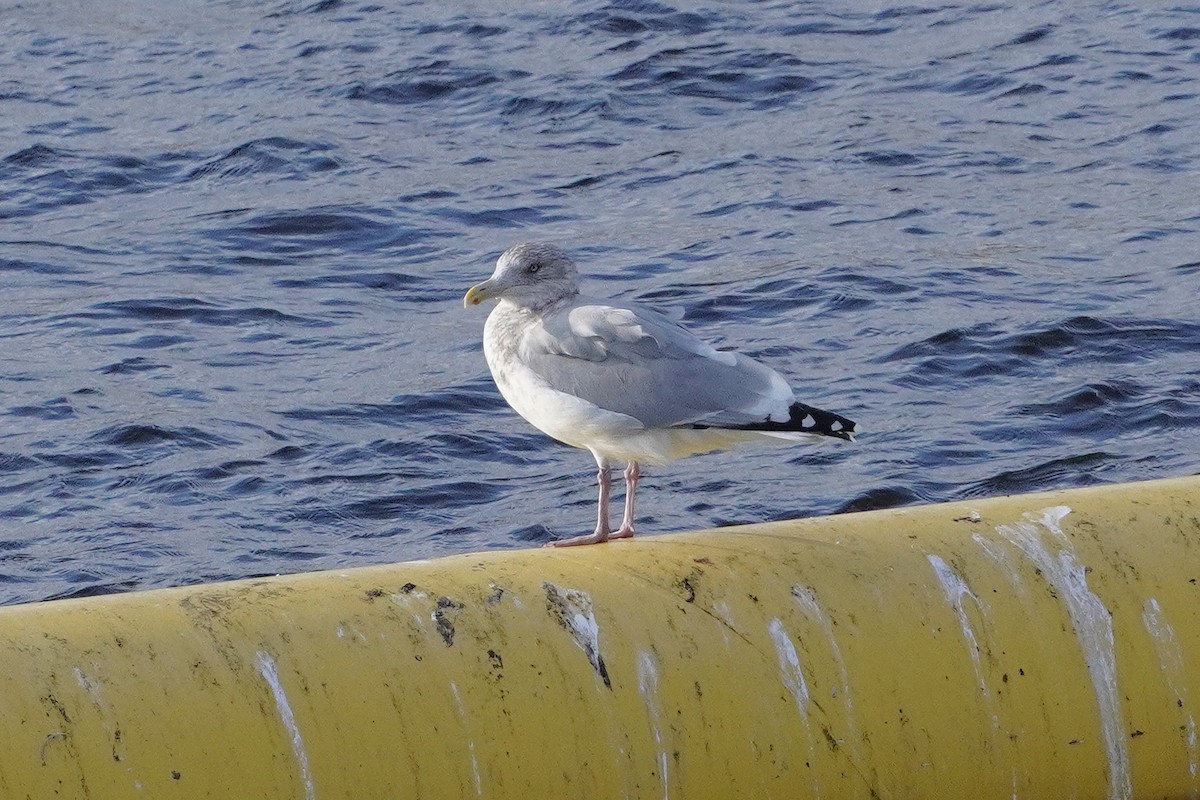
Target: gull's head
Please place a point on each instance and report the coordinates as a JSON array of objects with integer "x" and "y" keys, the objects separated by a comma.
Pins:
[{"x": 529, "y": 275}]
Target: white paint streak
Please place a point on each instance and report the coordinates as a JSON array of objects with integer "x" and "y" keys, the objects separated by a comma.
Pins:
[
  {"x": 648, "y": 686},
  {"x": 92, "y": 687},
  {"x": 956, "y": 590},
  {"x": 416, "y": 609},
  {"x": 789, "y": 666},
  {"x": 806, "y": 598},
  {"x": 587, "y": 631},
  {"x": 270, "y": 674},
  {"x": 793, "y": 678},
  {"x": 996, "y": 552},
  {"x": 415, "y": 593},
  {"x": 1054, "y": 556},
  {"x": 1170, "y": 659},
  {"x": 720, "y": 610},
  {"x": 462, "y": 714},
  {"x": 89, "y": 686},
  {"x": 581, "y": 619}
]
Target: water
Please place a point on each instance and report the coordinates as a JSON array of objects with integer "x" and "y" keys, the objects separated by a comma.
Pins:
[{"x": 234, "y": 239}]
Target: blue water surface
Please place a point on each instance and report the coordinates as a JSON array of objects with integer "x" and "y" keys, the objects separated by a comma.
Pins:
[{"x": 234, "y": 238}]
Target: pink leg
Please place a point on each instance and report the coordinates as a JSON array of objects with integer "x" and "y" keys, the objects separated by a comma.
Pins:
[
  {"x": 601, "y": 534},
  {"x": 632, "y": 473}
]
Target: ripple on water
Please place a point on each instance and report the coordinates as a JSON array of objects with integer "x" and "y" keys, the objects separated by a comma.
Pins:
[
  {"x": 235, "y": 247},
  {"x": 987, "y": 349},
  {"x": 274, "y": 155}
]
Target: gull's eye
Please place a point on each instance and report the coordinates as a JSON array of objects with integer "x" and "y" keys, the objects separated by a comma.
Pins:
[{"x": 533, "y": 268}]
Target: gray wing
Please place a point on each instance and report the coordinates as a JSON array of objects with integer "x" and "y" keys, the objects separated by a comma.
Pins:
[{"x": 634, "y": 361}]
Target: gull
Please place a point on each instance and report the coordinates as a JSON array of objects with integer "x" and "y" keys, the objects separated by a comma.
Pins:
[{"x": 624, "y": 381}]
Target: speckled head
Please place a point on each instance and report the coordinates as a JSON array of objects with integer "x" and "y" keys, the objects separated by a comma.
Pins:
[{"x": 530, "y": 275}]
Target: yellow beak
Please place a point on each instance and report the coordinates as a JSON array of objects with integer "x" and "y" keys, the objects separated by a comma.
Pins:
[{"x": 477, "y": 294}]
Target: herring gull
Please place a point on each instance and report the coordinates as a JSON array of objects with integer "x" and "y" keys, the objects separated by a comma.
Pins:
[{"x": 623, "y": 381}]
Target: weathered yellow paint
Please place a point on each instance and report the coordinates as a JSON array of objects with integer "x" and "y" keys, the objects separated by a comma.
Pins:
[{"x": 1037, "y": 646}]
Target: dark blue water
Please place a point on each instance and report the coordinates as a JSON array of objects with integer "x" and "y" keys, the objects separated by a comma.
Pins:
[{"x": 234, "y": 239}]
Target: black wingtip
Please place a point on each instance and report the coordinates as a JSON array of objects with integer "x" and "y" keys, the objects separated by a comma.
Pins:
[
  {"x": 804, "y": 418},
  {"x": 826, "y": 423}
]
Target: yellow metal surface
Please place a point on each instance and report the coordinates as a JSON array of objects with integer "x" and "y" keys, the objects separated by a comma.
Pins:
[{"x": 1037, "y": 646}]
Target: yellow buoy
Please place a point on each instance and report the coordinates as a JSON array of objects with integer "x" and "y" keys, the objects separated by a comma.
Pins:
[{"x": 1037, "y": 646}]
